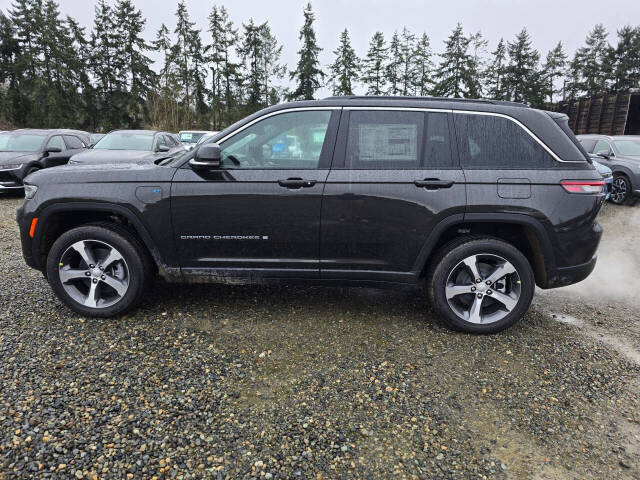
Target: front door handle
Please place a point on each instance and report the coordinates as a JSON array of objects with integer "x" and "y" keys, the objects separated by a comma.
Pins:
[
  {"x": 433, "y": 183},
  {"x": 294, "y": 183}
]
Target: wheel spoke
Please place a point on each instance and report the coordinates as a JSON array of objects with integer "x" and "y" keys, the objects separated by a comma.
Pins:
[
  {"x": 472, "y": 265},
  {"x": 506, "y": 300},
  {"x": 91, "y": 299},
  {"x": 119, "y": 286},
  {"x": 475, "y": 310},
  {"x": 504, "y": 269},
  {"x": 85, "y": 252},
  {"x": 455, "y": 290},
  {"x": 67, "y": 274},
  {"x": 113, "y": 256}
]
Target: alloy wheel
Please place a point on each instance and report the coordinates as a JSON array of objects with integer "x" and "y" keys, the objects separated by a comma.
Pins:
[
  {"x": 94, "y": 273},
  {"x": 619, "y": 190},
  {"x": 483, "y": 288}
]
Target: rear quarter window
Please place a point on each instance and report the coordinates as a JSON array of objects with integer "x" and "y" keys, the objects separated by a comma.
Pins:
[{"x": 488, "y": 141}]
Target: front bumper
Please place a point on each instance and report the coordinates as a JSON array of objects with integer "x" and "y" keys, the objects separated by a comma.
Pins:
[
  {"x": 11, "y": 178},
  {"x": 26, "y": 242}
]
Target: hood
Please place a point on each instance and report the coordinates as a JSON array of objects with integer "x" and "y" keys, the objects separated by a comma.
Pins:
[
  {"x": 102, "y": 173},
  {"x": 92, "y": 157},
  {"x": 15, "y": 158}
]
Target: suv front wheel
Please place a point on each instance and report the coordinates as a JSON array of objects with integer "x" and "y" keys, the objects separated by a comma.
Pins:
[
  {"x": 480, "y": 285},
  {"x": 98, "y": 270}
]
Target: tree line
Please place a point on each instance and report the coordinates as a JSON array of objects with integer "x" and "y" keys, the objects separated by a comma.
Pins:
[{"x": 55, "y": 73}]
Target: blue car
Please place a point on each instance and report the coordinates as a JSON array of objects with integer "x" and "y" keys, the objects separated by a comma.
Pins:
[{"x": 607, "y": 174}]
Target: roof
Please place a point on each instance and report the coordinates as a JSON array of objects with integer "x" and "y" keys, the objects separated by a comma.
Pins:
[
  {"x": 610, "y": 137},
  {"x": 427, "y": 99},
  {"x": 138, "y": 132}
]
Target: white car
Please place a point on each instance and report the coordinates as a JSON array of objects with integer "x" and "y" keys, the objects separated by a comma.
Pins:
[{"x": 189, "y": 138}]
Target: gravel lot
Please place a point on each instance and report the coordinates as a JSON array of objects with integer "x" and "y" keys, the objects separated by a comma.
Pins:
[{"x": 242, "y": 382}]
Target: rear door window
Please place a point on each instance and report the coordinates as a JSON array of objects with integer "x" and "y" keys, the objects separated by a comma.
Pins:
[
  {"x": 73, "y": 142},
  {"x": 488, "y": 141}
]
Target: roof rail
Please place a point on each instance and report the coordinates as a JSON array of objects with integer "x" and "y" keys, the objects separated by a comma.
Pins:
[{"x": 427, "y": 99}]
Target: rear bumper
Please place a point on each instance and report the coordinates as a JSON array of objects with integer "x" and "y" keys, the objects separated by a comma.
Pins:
[{"x": 563, "y": 276}]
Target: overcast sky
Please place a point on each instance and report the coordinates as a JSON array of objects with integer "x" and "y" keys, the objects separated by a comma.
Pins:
[{"x": 548, "y": 21}]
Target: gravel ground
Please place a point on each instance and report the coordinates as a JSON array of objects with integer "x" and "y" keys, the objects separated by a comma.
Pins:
[{"x": 254, "y": 382}]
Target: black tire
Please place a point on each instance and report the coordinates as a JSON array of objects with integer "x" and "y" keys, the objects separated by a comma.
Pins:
[
  {"x": 450, "y": 256},
  {"x": 621, "y": 191},
  {"x": 138, "y": 263}
]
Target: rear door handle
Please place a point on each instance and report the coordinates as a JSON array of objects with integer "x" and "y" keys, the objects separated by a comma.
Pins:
[
  {"x": 433, "y": 183},
  {"x": 294, "y": 183}
]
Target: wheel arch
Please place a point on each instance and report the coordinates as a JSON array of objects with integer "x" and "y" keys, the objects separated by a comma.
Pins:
[
  {"x": 59, "y": 218},
  {"x": 522, "y": 231}
]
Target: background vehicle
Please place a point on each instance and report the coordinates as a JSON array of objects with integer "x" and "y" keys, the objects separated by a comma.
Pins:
[
  {"x": 131, "y": 146},
  {"x": 606, "y": 173},
  {"x": 621, "y": 153},
  {"x": 348, "y": 190},
  {"x": 95, "y": 137},
  {"x": 190, "y": 138},
  {"x": 25, "y": 151}
]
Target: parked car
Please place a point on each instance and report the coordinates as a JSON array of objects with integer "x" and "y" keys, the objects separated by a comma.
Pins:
[
  {"x": 25, "y": 151},
  {"x": 95, "y": 137},
  {"x": 190, "y": 138},
  {"x": 377, "y": 192},
  {"x": 205, "y": 137},
  {"x": 606, "y": 173},
  {"x": 131, "y": 146},
  {"x": 621, "y": 153}
]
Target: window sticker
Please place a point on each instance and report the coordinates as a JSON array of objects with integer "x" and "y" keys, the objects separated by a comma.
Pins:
[{"x": 379, "y": 142}]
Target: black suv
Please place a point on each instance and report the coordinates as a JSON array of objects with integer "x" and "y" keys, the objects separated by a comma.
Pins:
[
  {"x": 27, "y": 150},
  {"x": 477, "y": 200}
]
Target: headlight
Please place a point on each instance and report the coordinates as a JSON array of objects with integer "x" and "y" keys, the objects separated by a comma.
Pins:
[
  {"x": 30, "y": 191},
  {"x": 11, "y": 167}
]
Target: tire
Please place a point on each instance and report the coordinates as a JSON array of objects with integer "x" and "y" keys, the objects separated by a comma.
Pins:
[
  {"x": 449, "y": 277},
  {"x": 118, "y": 286},
  {"x": 621, "y": 191}
]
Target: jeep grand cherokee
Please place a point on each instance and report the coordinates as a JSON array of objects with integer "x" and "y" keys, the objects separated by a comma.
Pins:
[{"x": 475, "y": 201}]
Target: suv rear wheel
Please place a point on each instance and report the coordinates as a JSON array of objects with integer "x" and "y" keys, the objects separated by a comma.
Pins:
[
  {"x": 480, "y": 285},
  {"x": 98, "y": 270}
]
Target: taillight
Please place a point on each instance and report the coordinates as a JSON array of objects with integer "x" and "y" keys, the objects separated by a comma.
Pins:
[{"x": 583, "y": 186}]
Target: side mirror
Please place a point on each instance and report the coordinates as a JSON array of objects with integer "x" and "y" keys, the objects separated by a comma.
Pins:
[
  {"x": 604, "y": 154},
  {"x": 163, "y": 148},
  {"x": 207, "y": 156},
  {"x": 53, "y": 150}
]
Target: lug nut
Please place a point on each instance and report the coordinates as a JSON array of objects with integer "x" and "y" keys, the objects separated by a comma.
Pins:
[
  {"x": 488, "y": 282},
  {"x": 103, "y": 277},
  {"x": 473, "y": 289},
  {"x": 92, "y": 266},
  {"x": 100, "y": 267},
  {"x": 88, "y": 274},
  {"x": 478, "y": 280},
  {"x": 95, "y": 280},
  {"x": 489, "y": 292},
  {"x": 479, "y": 295}
]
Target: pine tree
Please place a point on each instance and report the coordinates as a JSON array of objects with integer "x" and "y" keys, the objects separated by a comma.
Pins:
[
  {"x": 553, "y": 69},
  {"x": 626, "y": 56},
  {"x": 180, "y": 54},
  {"x": 345, "y": 68},
  {"x": 223, "y": 40},
  {"x": 477, "y": 45},
  {"x": 250, "y": 50},
  {"x": 524, "y": 81},
  {"x": 423, "y": 66},
  {"x": 453, "y": 75},
  {"x": 407, "y": 68},
  {"x": 308, "y": 73},
  {"x": 9, "y": 75},
  {"x": 592, "y": 65},
  {"x": 393, "y": 68},
  {"x": 136, "y": 70},
  {"x": 496, "y": 73},
  {"x": 198, "y": 55},
  {"x": 271, "y": 67},
  {"x": 374, "y": 65}
]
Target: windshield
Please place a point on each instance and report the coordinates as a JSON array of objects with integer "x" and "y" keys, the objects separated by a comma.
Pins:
[
  {"x": 628, "y": 148},
  {"x": 26, "y": 142},
  {"x": 125, "y": 141},
  {"x": 191, "y": 137}
]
